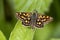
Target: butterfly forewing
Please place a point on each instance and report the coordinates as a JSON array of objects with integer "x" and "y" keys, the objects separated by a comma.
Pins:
[
  {"x": 41, "y": 20},
  {"x": 25, "y": 17},
  {"x": 44, "y": 18}
]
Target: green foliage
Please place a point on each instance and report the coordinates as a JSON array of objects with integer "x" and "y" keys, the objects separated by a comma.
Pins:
[
  {"x": 55, "y": 38},
  {"x": 30, "y": 5},
  {"x": 2, "y": 37},
  {"x": 20, "y": 32}
]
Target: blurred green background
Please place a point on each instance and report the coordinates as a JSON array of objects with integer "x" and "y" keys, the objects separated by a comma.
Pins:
[{"x": 8, "y": 9}]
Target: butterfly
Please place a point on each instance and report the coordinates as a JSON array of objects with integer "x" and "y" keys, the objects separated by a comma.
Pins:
[{"x": 33, "y": 19}]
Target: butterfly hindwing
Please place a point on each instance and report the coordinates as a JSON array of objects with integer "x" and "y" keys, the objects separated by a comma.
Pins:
[
  {"x": 25, "y": 17},
  {"x": 26, "y": 22},
  {"x": 39, "y": 23}
]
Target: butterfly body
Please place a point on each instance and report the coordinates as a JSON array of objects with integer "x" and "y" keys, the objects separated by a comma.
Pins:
[{"x": 33, "y": 19}]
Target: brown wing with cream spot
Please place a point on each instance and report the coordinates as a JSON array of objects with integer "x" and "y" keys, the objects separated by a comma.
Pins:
[
  {"x": 39, "y": 23},
  {"x": 41, "y": 19},
  {"x": 44, "y": 18},
  {"x": 25, "y": 17}
]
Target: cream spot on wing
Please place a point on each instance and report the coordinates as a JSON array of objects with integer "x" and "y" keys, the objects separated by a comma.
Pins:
[
  {"x": 43, "y": 17},
  {"x": 47, "y": 17},
  {"x": 44, "y": 20},
  {"x": 51, "y": 19},
  {"x": 23, "y": 17},
  {"x": 24, "y": 14},
  {"x": 40, "y": 16},
  {"x": 26, "y": 21},
  {"x": 37, "y": 19},
  {"x": 28, "y": 18},
  {"x": 39, "y": 23},
  {"x": 20, "y": 13},
  {"x": 16, "y": 13},
  {"x": 27, "y": 14}
]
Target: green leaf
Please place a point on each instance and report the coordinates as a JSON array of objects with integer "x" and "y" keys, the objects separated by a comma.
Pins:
[
  {"x": 2, "y": 37},
  {"x": 43, "y": 33},
  {"x": 55, "y": 38},
  {"x": 21, "y": 32},
  {"x": 30, "y": 5},
  {"x": 56, "y": 31}
]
